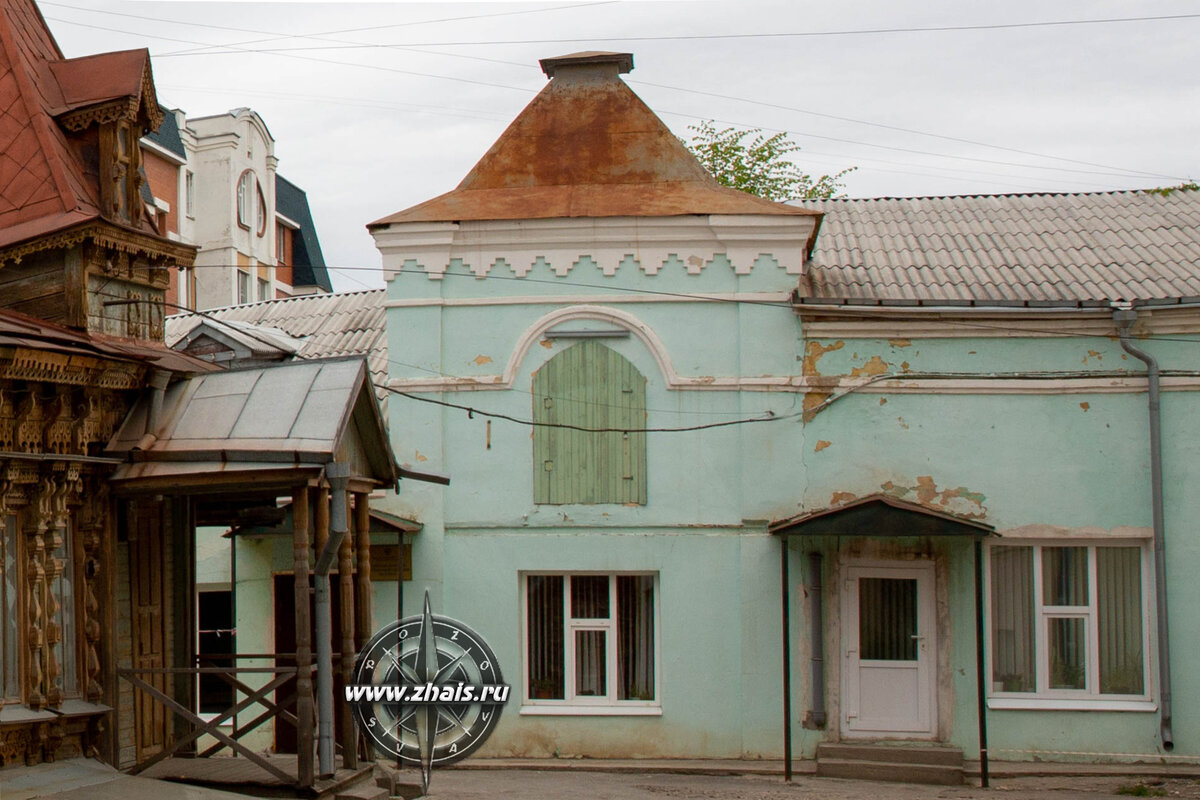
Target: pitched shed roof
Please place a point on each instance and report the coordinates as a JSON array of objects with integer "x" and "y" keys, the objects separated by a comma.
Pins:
[
  {"x": 263, "y": 424},
  {"x": 308, "y": 262},
  {"x": 325, "y": 325},
  {"x": 44, "y": 183},
  {"x": 1015, "y": 248},
  {"x": 587, "y": 146}
]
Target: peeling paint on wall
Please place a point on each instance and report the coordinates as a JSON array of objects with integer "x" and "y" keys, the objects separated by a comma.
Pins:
[
  {"x": 875, "y": 366},
  {"x": 1085, "y": 406},
  {"x": 481, "y": 360},
  {"x": 812, "y": 354},
  {"x": 821, "y": 445},
  {"x": 840, "y": 498},
  {"x": 960, "y": 500},
  {"x": 899, "y": 342}
]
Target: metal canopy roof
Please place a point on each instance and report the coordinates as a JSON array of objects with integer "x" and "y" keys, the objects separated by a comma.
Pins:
[
  {"x": 260, "y": 426},
  {"x": 880, "y": 515},
  {"x": 381, "y": 522}
]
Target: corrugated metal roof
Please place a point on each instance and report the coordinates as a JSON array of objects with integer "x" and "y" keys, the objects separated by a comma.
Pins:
[
  {"x": 1033, "y": 247},
  {"x": 587, "y": 146},
  {"x": 327, "y": 325}
]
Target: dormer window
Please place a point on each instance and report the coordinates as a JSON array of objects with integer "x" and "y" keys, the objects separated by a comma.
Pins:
[{"x": 119, "y": 171}]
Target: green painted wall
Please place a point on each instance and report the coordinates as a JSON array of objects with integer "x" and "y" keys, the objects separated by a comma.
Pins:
[{"x": 1061, "y": 459}]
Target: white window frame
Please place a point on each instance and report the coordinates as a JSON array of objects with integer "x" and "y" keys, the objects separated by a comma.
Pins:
[
  {"x": 247, "y": 296},
  {"x": 189, "y": 193},
  {"x": 574, "y": 705},
  {"x": 245, "y": 198},
  {"x": 1089, "y": 698}
]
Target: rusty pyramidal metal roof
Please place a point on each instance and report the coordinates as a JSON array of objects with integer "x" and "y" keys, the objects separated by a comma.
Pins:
[{"x": 587, "y": 146}]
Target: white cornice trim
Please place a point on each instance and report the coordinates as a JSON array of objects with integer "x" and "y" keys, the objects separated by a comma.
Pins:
[
  {"x": 566, "y": 299},
  {"x": 162, "y": 152},
  {"x": 643, "y": 244},
  {"x": 828, "y": 386},
  {"x": 873, "y": 323}
]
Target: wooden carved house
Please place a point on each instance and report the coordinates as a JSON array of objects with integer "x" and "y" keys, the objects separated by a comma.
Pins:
[{"x": 82, "y": 275}]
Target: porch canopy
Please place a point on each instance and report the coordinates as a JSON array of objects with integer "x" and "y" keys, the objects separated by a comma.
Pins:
[
  {"x": 873, "y": 516},
  {"x": 233, "y": 443},
  {"x": 880, "y": 515},
  {"x": 255, "y": 430}
]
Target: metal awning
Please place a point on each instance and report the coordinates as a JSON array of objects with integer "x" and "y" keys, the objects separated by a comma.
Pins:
[
  {"x": 380, "y": 522},
  {"x": 880, "y": 515},
  {"x": 267, "y": 427}
]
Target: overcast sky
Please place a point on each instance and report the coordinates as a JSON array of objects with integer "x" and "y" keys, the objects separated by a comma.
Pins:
[{"x": 378, "y": 106}]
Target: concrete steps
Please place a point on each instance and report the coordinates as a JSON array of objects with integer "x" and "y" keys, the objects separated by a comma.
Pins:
[{"x": 901, "y": 763}]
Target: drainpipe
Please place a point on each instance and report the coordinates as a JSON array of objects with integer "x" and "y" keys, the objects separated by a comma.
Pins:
[
  {"x": 816, "y": 627},
  {"x": 338, "y": 476},
  {"x": 787, "y": 658},
  {"x": 1124, "y": 319},
  {"x": 158, "y": 382}
]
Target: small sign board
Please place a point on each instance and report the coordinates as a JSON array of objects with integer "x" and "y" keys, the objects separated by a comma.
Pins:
[{"x": 385, "y": 562}]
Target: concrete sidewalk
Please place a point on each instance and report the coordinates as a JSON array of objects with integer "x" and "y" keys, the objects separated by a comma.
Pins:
[
  {"x": 802, "y": 768},
  {"x": 88, "y": 779},
  {"x": 575, "y": 784}
]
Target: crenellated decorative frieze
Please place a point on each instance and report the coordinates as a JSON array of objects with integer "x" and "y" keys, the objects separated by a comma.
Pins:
[{"x": 599, "y": 247}]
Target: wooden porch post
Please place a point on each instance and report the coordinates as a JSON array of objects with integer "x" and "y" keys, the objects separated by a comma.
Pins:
[
  {"x": 346, "y": 589},
  {"x": 304, "y": 687},
  {"x": 362, "y": 579}
]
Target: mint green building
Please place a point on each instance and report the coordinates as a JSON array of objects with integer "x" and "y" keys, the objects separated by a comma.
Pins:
[{"x": 672, "y": 412}]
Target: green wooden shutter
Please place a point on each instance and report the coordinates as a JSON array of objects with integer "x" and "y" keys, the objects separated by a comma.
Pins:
[{"x": 590, "y": 386}]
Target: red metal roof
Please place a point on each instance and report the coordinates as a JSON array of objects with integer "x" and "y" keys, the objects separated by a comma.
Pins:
[
  {"x": 587, "y": 146},
  {"x": 44, "y": 183},
  {"x": 22, "y": 330}
]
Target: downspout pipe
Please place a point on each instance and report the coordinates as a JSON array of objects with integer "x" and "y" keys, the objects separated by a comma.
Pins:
[
  {"x": 816, "y": 642},
  {"x": 1124, "y": 319},
  {"x": 338, "y": 476},
  {"x": 786, "y": 601},
  {"x": 159, "y": 379}
]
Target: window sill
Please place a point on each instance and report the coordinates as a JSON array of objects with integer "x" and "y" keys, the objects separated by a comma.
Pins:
[
  {"x": 590, "y": 711},
  {"x": 1068, "y": 704}
]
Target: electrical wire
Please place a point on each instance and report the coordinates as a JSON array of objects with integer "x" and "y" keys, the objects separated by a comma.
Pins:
[
  {"x": 1121, "y": 171},
  {"x": 898, "y": 128},
  {"x": 755, "y": 36},
  {"x": 769, "y": 416}
]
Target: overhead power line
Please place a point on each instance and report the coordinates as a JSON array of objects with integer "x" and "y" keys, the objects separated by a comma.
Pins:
[
  {"x": 770, "y": 35},
  {"x": 207, "y": 49}
]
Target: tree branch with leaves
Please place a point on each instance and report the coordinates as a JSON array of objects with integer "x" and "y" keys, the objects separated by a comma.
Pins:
[{"x": 750, "y": 161}]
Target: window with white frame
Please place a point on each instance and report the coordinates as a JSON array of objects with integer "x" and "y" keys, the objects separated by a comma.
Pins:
[
  {"x": 260, "y": 218},
  {"x": 245, "y": 198},
  {"x": 1068, "y": 621},
  {"x": 189, "y": 189},
  {"x": 590, "y": 640},
  {"x": 243, "y": 287}
]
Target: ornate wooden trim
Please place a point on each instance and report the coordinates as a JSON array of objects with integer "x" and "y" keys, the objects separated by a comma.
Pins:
[
  {"x": 38, "y": 365},
  {"x": 124, "y": 108},
  {"x": 109, "y": 237}
]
